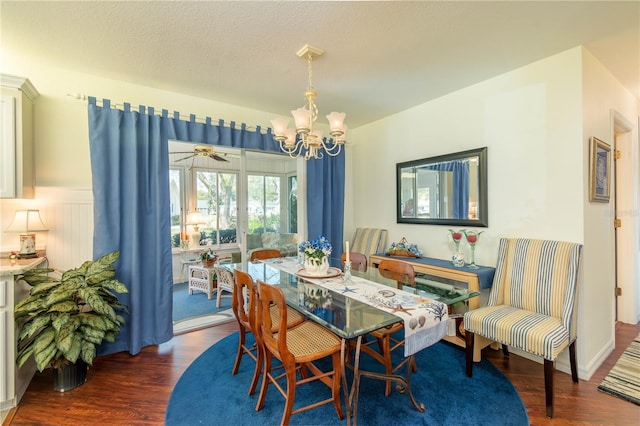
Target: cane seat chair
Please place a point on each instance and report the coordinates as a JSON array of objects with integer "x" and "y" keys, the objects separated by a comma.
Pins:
[
  {"x": 358, "y": 261},
  {"x": 244, "y": 306},
  {"x": 386, "y": 337},
  {"x": 531, "y": 306},
  {"x": 296, "y": 348},
  {"x": 262, "y": 254}
]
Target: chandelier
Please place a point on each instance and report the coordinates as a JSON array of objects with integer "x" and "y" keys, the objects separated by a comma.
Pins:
[{"x": 305, "y": 140}]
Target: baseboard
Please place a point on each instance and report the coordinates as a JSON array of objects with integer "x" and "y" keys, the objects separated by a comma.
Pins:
[{"x": 585, "y": 371}]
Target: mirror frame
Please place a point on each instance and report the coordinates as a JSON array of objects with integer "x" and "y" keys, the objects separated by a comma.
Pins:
[{"x": 483, "y": 210}]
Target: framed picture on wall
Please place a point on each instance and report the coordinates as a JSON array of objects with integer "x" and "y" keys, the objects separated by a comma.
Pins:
[{"x": 599, "y": 171}]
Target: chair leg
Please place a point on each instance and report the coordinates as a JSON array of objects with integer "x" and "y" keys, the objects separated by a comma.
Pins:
[
  {"x": 385, "y": 348},
  {"x": 505, "y": 351},
  {"x": 241, "y": 339},
  {"x": 548, "y": 386},
  {"x": 258, "y": 369},
  {"x": 335, "y": 388},
  {"x": 469, "y": 340},
  {"x": 574, "y": 363},
  {"x": 291, "y": 393},
  {"x": 265, "y": 380}
]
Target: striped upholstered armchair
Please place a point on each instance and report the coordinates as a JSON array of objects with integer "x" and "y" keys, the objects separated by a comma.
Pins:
[
  {"x": 532, "y": 304},
  {"x": 369, "y": 241}
]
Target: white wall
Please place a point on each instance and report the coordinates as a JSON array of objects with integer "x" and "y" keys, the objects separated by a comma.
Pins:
[
  {"x": 531, "y": 120},
  {"x": 602, "y": 96}
]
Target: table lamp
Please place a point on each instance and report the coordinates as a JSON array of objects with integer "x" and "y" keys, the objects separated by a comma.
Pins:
[
  {"x": 27, "y": 223},
  {"x": 195, "y": 219}
]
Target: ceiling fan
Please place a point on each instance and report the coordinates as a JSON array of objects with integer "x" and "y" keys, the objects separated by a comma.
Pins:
[{"x": 204, "y": 151}]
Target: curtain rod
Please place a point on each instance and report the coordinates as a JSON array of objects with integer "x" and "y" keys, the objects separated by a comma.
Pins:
[{"x": 121, "y": 105}]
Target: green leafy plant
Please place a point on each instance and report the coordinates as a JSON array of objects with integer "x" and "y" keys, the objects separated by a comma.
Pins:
[{"x": 66, "y": 318}]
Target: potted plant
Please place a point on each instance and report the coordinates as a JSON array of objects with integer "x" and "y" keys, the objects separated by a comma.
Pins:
[
  {"x": 208, "y": 258},
  {"x": 65, "y": 318}
]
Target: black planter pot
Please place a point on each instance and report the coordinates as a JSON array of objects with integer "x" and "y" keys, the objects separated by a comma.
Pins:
[{"x": 70, "y": 376}]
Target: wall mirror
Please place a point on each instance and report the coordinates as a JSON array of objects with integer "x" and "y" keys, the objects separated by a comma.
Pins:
[{"x": 448, "y": 189}]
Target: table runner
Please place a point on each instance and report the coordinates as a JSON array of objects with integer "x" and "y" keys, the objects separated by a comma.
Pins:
[{"x": 425, "y": 320}]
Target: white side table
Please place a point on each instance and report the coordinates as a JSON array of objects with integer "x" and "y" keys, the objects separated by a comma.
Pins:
[{"x": 202, "y": 279}]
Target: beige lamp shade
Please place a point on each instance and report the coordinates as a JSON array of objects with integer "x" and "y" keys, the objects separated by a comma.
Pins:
[
  {"x": 27, "y": 223},
  {"x": 195, "y": 219}
]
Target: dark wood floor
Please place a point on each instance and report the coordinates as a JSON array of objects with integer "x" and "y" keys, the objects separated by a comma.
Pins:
[{"x": 134, "y": 390}]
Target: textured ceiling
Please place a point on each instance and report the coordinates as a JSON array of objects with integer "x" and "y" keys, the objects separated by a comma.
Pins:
[{"x": 381, "y": 57}]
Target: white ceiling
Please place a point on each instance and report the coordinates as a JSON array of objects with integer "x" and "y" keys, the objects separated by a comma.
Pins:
[{"x": 381, "y": 57}]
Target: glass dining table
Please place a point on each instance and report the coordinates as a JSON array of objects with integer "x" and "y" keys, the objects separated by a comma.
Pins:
[{"x": 352, "y": 307}]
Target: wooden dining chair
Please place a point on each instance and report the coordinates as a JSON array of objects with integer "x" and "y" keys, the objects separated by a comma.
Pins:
[
  {"x": 296, "y": 348},
  {"x": 403, "y": 273},
  {"x": 262, "y": 254},
  {"x": 358, "y": 261},
  {"x": 245, "y": 306}
]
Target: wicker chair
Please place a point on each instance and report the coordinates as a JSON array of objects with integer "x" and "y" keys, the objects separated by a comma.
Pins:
[
  {"x": 404, "y": 274},
  {"x": 531, "y": 305},
  {"x": 296, "y": 348},
  {"x": 224, "y": 283},
  {"x": 262, "y": 254},
  {"x": 245, "y": 305},
  {"x": 358, "y": 261}
]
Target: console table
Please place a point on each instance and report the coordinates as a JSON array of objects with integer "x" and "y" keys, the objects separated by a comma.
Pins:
[{"x": 434, "y": 271}]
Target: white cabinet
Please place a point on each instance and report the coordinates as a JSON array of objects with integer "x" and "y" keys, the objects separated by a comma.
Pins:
[
  {"x": 13, "y": 381},
  {"x": 17, "y": 162}
]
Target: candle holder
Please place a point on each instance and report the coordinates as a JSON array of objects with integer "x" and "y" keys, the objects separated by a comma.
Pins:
[{"x": 347, "y": 271}]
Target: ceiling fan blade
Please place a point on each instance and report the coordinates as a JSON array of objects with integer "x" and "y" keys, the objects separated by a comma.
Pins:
[
  {"x": 180, "y": 159},
  {"x": 217, "y": 157}
]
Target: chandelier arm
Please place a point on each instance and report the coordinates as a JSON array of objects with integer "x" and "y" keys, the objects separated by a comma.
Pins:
[
  {"x": 332, "y": 149},
  {"x": 294, "y": 152}
]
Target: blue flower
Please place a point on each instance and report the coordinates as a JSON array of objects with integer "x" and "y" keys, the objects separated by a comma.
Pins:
[{"x": 316, "y": 249}]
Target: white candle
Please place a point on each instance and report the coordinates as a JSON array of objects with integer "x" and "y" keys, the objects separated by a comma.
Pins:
[{"x": 347, "y": 250}]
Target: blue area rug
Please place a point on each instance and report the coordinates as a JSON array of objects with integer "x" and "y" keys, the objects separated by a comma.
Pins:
[
  {"x": 208, "y": 394},
  {"x": 195, "y": 305}
]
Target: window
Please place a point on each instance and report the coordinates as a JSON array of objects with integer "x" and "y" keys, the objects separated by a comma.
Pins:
[
  {"x": 176, "y": 200},
  {"x": 292, "y": 186},
  {"x": 212, "y": 188},
  {"x": 263, "y": 203},
  {"x": 216, "y": 197}
]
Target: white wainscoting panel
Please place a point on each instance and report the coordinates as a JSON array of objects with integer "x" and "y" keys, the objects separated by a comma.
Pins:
[{"x": 68, "y": 213}]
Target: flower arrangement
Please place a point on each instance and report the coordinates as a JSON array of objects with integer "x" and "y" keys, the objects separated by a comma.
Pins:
[
  {"x": 403, "y": 248},
  {"x": 316, "y": 250},
  {"x": 208, "y": 256}
]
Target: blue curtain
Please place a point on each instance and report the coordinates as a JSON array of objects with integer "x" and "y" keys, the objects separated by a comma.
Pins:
[
  {"x": 325, "y": 201},
  {"x": 460, "y": 169},
  {"x": 130, "y": 173}
]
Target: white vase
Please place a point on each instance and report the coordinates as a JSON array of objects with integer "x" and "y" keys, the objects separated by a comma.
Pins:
[
  {"x": 316, "y": 267},
  {"x": 458, "y": 259}
]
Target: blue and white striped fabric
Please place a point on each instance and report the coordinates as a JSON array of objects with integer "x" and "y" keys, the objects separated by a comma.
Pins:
[
  {"x": 532, "y": 302},
  {"x": 369, "y": 241}
]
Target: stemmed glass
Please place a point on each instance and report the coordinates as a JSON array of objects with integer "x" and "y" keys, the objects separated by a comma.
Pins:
[
  {"x": 457, "y": 259},
  {"x": 472, "y": 238}
]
